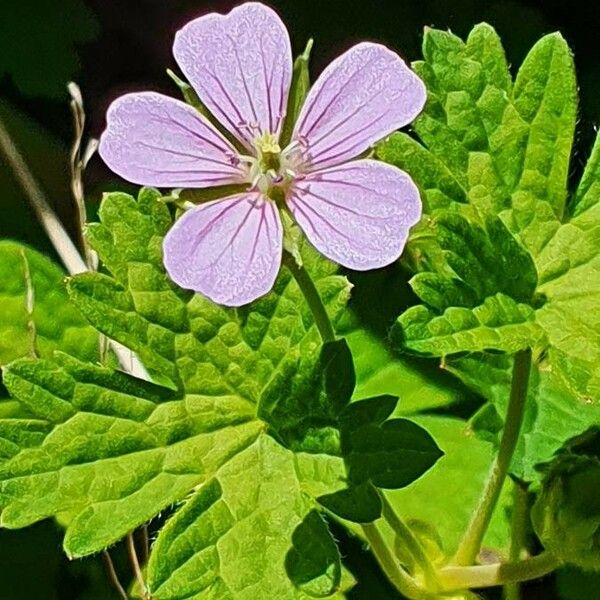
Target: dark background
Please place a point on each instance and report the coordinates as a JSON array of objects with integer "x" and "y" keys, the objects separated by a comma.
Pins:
[{"x": 112, "y": 46}]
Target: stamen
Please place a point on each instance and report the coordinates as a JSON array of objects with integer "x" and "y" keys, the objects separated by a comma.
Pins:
[
  {"x": 247, "y": 159},
  {"x": 254, "y": 183}
]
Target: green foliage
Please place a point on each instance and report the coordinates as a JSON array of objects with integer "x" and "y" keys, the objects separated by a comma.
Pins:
[
  {"x": 554, "y": 413},
  {"x": 64, "y": 461},
  {"x": 504, "y": 147},
  {"x": 486, "y": 259},
  {"x": 478, "y": 296},
  {"x": 248, "y": 425},
  {"x": 505, "y": 258},
  {"x": 569, "y": 268},
  {"x": 37, "y": 317},
  {"x": 231, "y": 538},
  {"x": 497, "y": 324},
  {"x": 445, "y": 496},
  {"x": 566, "y": 515}
]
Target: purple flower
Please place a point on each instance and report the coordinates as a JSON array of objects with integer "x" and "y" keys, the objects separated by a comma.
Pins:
[{"x": 356, "y": 212}]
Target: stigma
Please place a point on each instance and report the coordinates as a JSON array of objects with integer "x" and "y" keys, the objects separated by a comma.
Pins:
[{"x": 270, "y": 169}]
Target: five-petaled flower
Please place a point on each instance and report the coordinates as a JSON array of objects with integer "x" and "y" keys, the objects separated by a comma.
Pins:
[{"x": 355, "y": 211}]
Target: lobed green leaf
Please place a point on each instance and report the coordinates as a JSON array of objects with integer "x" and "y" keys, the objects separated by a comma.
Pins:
[{"x": 499, "y": 323}]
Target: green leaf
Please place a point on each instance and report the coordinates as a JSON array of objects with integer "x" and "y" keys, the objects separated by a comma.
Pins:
[
  {"x": 439, "y": 188},
  {"x": 487, "y": 260},
  {"x": 313, "y": 564},
  {"x": 303, "y": 411},
  {"x": 37, "y": 317},
  {"x": 160, "y": 447},
  {"x": 508, "y": 147},
  {"x": 497, "y": 324},
  {"x": 477, "y": 298},
  {"x": 104, "y": 452},
  {"x": 419, "y": 384},
  {"x": 566, "y": 515},
  {"x": 377, "y": 452},
  {"x": 232, "y": 540},
  {"x": 358, "y": 504},
  {"x": 553, "y": 414},
  {"x": 545, "y": 96},
  {"x": 389, "y": 453},
  {"x": 588, "y": 192},
  {"x": 569, "y": 269},
  {"x": 447, "y": 494}
]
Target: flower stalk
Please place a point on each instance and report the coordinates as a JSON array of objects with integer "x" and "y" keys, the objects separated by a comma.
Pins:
[
  {"x": 484, "y": 576},
  {"x": 471, "y": 542},
  {"x": 399, "y": 578},
  {"x": 311, "y": 294},
  {"x": 411, "y": 544},
  {"x": 518, "y": 535}
]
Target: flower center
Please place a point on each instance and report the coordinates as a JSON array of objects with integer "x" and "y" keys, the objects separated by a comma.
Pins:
[
  {"x": 271, "y": 170},
  {"x": 269, "y": 153}
]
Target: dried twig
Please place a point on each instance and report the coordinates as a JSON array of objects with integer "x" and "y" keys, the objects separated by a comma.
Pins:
[{"x": 58, "y": 236}]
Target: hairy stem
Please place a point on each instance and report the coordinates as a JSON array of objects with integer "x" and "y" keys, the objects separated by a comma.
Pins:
[
  {"x": 112, "y": 575},
  {"x": 471, "y": 541},
  {"x": 312, "y": 297},
  {"x": 64, "y": 246},
  {"x": 518, "y": 535},
  {"x": 463, "y": 578},
  {"x": 410, "y": 542},
  {"x": 399, "y": 578},
  {"x": 135, "y": 565}
]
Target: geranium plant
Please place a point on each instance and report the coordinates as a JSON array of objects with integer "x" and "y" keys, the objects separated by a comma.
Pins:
[{"x": 214, "y": 368}]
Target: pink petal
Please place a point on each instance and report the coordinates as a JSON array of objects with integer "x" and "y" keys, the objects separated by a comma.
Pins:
[
  {"x": 240, "y": 64},
  {"x": 228, "y": 250},
  {"x": 151, "y": 139},
  {"x": 362, "y": 96},
  {"x": 357, "y": 214}
]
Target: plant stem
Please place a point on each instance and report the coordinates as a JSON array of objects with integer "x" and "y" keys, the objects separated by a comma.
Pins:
[
  {"x": 58, "y": 236},
  {"x": 483, "y": 576},
  {"x": 112, "y": 575},
  {"x": 410, "y": 542},
  {"x": 78, "y": 164},
  {"x": 401, "y": 580},
  {"x": 518, "y": 535},
  {"x": 394, "y": 572},
  {"x": 66, "y": 250},
  {"x": 471, "y": 542},
  {"x": 145, "y": 541},
  {"x": 312, "y": 297},
  {"x": 135, "y": 565}
]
